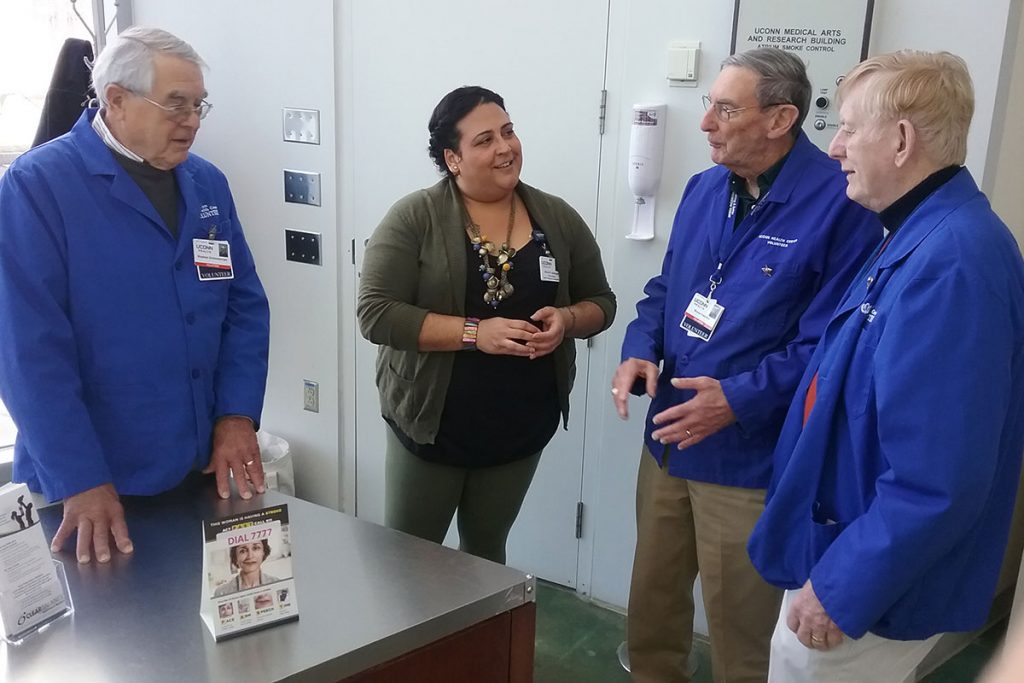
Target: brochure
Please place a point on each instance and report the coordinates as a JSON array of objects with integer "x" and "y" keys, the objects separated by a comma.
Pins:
[
  {"x": 247, "y": 572},
  {"x": 32, "y": 593}
]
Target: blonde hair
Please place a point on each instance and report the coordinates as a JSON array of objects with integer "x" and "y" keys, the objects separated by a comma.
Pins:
[{"x": 932, "y": 90}]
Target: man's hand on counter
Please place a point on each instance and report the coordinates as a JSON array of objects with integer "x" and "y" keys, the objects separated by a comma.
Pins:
[
  {"x": 235, "y": 450},
  {"x": 98, "y": 515}
]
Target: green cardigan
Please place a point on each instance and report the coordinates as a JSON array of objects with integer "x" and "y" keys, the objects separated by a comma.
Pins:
[{"x": 415, "y": 263}]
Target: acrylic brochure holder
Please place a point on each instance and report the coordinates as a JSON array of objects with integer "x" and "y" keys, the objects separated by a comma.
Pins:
[
  {"x": 33, "y": 586},
  {"x": 20, "y": 637}
]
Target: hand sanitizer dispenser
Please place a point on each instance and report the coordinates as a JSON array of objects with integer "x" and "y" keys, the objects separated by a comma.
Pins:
[{"x": 646, "y": 147}]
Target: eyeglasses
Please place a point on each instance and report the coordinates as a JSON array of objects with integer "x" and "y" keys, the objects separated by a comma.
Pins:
[
  {"x": 181, "y": 112},
  {"x": 724, "y": 112}
]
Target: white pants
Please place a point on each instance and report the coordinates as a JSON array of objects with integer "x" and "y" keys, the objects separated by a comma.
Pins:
[{"x": 871, "y": 659}]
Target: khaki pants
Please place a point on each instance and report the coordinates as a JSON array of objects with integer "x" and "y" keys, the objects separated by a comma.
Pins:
[{"x": 685, "y": 527}]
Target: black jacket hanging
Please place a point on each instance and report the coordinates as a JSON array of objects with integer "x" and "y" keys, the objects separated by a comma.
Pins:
[{"x": 68, "y": 93}]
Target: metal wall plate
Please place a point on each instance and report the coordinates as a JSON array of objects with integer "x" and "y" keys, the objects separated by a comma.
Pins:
[
  {"x": 302, "y": 187},
  {"x": 301, "y": 125},
  {"x": 302, "y": 247},
  {"x": 311, "y": 396}
]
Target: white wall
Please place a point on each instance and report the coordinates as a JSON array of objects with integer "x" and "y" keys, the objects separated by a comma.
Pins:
[
  {"x": 1008, "y": 157},
  {"x": 974, "y": 30},
  {"x": 265, "y": 55}
]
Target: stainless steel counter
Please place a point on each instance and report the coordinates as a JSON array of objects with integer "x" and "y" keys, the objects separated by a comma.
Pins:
[{"x": 366, "y": 595}]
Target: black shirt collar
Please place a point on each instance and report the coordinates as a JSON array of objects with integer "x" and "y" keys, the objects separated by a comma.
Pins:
[{"x": 897, "y": 213}]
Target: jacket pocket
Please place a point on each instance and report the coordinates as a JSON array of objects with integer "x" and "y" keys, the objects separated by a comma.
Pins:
[
  {"x": 396, "y": 382},
  {"x": 823, "y": 534}
]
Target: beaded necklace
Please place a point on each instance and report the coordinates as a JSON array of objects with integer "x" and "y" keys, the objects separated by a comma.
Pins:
[{"x": 495, "y": 274}]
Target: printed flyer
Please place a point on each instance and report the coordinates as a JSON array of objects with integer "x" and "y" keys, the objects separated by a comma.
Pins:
[
  {"x": 31, "y": 592},
  {"x": 247, "y": 572}
]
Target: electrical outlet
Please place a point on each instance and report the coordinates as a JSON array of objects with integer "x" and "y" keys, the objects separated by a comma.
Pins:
[
  {"x": 311, "y": 396},
  {"x": 301, "y": 125},
  {"x": 302, "y": 187},
  {"x": 302, "y": 246}
]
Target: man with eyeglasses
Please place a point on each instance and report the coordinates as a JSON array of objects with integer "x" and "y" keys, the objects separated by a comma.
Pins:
[
  {"x": 763, "y": 246},
  {"x": 134, "y": 343}
]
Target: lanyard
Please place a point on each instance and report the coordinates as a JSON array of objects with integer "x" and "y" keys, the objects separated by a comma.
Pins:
[{"x": 728, "y": 247}]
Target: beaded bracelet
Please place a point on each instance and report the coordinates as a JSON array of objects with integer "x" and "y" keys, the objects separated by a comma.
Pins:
[{"x": 469, "y": 330}]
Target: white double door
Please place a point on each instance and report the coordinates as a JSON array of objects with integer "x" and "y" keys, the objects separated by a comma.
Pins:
[{"x": 547, "y": 59}]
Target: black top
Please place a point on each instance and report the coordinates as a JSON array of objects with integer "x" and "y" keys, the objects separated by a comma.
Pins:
[
  {"x": 159, "y": 186},
  {"x": 899, "y": 211},
  {"x": 498, "y": 408}
]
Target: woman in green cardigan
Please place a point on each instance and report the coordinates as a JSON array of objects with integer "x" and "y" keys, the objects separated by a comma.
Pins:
[{"x": 475, "y": 289}]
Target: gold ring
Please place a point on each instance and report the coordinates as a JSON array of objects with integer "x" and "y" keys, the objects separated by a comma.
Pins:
[
  {"x": 689, "y": 434},
  {"x": 816, "y": 639},
  {"x": 249, "y": 463}
]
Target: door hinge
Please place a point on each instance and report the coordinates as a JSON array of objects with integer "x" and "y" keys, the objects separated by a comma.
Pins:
[
  {"x": 579, "y": 520},
  {"x": 353, "y": 251},
  {"x": 602, "y": 112}
]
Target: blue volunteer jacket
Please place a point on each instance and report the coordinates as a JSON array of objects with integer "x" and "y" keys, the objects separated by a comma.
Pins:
[
  {"x": 895, "y": 498},
  {"x": 783, "y": 271},
  {"x": 115, "y": 358}
]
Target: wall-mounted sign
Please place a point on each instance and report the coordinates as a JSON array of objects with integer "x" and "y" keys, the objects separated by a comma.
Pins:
[{"x": 830, "y": 36}]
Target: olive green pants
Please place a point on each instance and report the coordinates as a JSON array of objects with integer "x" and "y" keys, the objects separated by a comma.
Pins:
[{"x": 421, "y": 497}]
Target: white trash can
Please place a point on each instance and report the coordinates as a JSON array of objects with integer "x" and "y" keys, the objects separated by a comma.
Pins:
[{"x": 278, "y": 471}]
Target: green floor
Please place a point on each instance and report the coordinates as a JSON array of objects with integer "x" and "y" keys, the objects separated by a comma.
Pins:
[{"x": 576, "y": 643}]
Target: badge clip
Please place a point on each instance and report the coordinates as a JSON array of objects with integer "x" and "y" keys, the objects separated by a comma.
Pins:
[
  {"x": 768, "y": 271},
  {"x": 212, "y": 233}
]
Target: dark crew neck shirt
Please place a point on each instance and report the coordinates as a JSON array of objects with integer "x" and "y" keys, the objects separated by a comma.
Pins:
[{"x": 159, "y": 186}]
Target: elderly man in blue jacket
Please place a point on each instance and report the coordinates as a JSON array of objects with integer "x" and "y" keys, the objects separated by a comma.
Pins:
[
  {"x": 896, "y": 472},
  {"x": 763, "y": 246},
  {"x": 135, "y": 330}
]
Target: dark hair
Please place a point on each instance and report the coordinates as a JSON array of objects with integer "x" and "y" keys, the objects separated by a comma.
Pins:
[
  {"x": 782, "y": 77},
  {"x": 452, "y": 108},
  {"x": 233, "y": 551}
]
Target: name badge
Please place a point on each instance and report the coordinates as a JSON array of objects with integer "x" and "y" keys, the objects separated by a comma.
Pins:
[
  {"x": 213, "y": 259},
  {"x": 701, "y": 317},
  {"x": 548, "y": 272}
]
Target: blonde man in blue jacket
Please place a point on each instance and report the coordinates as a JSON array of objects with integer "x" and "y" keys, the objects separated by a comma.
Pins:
[{"x": 897, "y": 468}]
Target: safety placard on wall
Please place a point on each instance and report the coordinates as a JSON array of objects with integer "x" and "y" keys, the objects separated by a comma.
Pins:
[{"x": 831, "y": 36}]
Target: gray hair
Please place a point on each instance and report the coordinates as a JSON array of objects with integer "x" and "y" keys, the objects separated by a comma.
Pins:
[
  {"x": 127, "y": 60},
  {"x": 782, "y": 77}
]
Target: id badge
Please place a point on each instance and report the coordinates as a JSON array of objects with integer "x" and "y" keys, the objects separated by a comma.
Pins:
[
  {"x": 701, "y": 317},
  {"x": 548, "y": 272},
  {"x": 213, "y": 259}
]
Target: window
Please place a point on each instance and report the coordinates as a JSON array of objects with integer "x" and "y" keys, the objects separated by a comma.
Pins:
[{"x": 35, "y": 31}]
